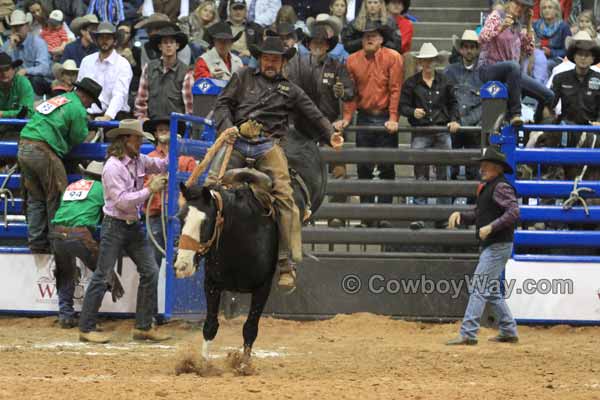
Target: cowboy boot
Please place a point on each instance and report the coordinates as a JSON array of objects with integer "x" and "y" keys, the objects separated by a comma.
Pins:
[{"x": 287, "y": 275}]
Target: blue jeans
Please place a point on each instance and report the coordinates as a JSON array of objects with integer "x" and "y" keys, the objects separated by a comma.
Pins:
[
  {"x": 510, "y": 74},
  {"x": 441, "y": 140},
  {"x": 117, "y": 235},
  {"x": 375, "y": 140},
  {"x": 487, "y": 290}
]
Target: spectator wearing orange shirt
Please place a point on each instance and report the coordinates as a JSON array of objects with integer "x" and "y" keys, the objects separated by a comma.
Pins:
[
  {"x": 55, "y": 35},
  {"x": 377, "y": 73},
  {"x": 219, "y": 62}
]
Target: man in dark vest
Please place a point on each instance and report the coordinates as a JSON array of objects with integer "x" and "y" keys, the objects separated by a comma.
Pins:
[
  {"x": 166, "y": 83},
  {"x": 495, "y": 217}
]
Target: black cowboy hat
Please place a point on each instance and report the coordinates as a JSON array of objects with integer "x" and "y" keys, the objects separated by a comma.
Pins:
[
  {"x": 494, "y": 155},
  {"x": 376, "y": 26},
  {"x": 319, "y": 32},
  {"x": 6, "y": 61},
  {"x": 272, "y": 45},
  {"x": 170, "y": 30},
  {"x": 151, "y": 124},
  {"x": 405, "y": 3},
  {"x": 91, "y": 87},
  {"x": 285, "y": 29},
  {"x": 222, "y": 30},
  {"x": 582, "y": 41}
]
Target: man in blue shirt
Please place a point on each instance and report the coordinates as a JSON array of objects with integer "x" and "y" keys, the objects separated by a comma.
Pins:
[
  {"x": 32, "y": 49},
  {"x": 82, "y": 27}
]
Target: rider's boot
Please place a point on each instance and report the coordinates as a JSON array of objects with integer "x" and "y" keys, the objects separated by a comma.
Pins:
[{"x": 287, "y": 274}]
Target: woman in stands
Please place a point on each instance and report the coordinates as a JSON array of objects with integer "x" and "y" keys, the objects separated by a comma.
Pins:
[
  {"x": 339, "y": 8},
  {"x": 551, "y": 32},
  {"x": 374, "y": 11},
  {"x": 398, "y": 10},
  {"x": 196, "y": 24}
]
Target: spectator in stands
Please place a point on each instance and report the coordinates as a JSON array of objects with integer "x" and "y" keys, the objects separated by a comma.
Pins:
[
  {"x": 195, "y": 25},
  {"x": 263, "y": 12},
  {"x": 39, "y": 15},
  {"x": 339, "y": 9},
  {"x": 16, "y": 96},
  {"x": 428, "y": 99},
  {"x": 464, "y": 78},
  {"x": 152, "y": 25},
  {"x": 160, "y": 128},
  {"x": 566, "y": 7},
  {"x": 398, "y": 10},
  {"x": 579, "y": 89},
  {"x": 579, "y": 6},
  {"x": 495, "y": 218},
  {"x": 166, "y": 83},
  {"x": 83, "y": 27},
  {"x": 23, "y": 45},
  {"x": 287, "y": 15},
  {"x": 122, "y": 230},
  {"x": 289, "y": 35},
  {"x": 55, "y": 35},
  {"x": 306, "y": 8},
  {"x": 377, "y": 75},
  {"x": 66, "y": 76},
  {"x": 124, "y": 46},
  {"x": 112, "y": 71},
  {"x": 586, "y": 22},
  {"x": 170, "y": 8},
  {"x": 502, "y": 43},
  {"x": 371, "y": 11},
  {"x": 567, "y": 65},
  {"x": 536, "y": 66},
  {"x": 333, "y": 27},
  {"x": 252, "y": 33},
  {"x": 219, "y": 62},
  {"x": 58, "y": 125},
  {"x": 552, "y": 32},
  {"x": 73, "y": 226},
  {"x": 70, "y": 8}
]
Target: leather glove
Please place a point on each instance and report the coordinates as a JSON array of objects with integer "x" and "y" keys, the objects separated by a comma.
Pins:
[
  {"x": 338, "y": 89},
  {"x": 250, "y": 129},
  {"x": 157, "y": 183}
]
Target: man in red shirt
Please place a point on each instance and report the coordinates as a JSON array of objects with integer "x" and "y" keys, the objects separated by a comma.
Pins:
[{"x": 219, "y": 62}]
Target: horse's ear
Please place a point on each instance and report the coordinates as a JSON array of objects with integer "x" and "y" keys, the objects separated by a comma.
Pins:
[{"x": 184, "y": 190}]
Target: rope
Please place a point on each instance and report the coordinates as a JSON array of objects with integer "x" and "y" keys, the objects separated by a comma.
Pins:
[
  {"x": 575, "y": 196},
  {"x": 210, "y": 154}
]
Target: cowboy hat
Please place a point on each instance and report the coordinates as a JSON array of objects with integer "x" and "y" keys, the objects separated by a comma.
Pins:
[
  {"x": 80, "y": 23},
  {"x": 155, "y": 21},
  {"x": 170, "y": 30},
  {"x": 18, "y": 17},
  {"x": 494, "y": 155},
  {"x": 151, "y": 124},
  {"x": 376, "y": 26},
  {"x": 405, "y": 3},
  {"x": 467, "y": 36},
  {"x": 105, "y": 28},
  {"x": 272, "y": 45},
  {"x": 285, "y": 29},
  {"x": 526, "y": 3},
  {"x": 6, "y": 61},
  {"x": 319, "y": 32},
  {"x": 68, "y": 65},
  {"x": 129, "y": 127},
  {"x": 427, "y": 50},
  {"x": 582, "y": 41},
  {"x": 222, "y": 30},
  {"x": 325, "y": 19},
  {"x": 93, "y": 170},
  {"x": 91, "y": 87}
]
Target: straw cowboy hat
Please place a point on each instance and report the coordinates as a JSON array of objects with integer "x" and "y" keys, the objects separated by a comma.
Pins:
[
  {"x": 170, "y": 30},
  {"x": 427, "y": 50},
  {"x": 155, "y": 21},
  {"x": 325, "y": 19},
  {"x": 18, "y": 17},
  {"x": 272, "y": 45},
  {"x": 582, "y": 41},
  {"x": 93, "y": 170},
  {"x": 129, "y": 127},
  {"x": 105, "y": 28},
  {"x": 68, "y": 65},
  {"x": 494, "y": 155},
  {"x": 91, "y": 87},
  {"x": 467, "y": 36},
  {"x": 80, "y": 23}
]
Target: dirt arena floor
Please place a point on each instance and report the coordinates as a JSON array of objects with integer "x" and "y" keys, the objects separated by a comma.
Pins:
[{"x": 359, "y": 356}]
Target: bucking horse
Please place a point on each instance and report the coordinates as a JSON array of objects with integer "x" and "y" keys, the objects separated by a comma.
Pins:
[{"x": 233, "y": 228}]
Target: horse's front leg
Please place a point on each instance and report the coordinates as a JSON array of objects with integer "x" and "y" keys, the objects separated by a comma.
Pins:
[
  {"x": 211, "y": 324},
  {"x": 259, "y": 300}
]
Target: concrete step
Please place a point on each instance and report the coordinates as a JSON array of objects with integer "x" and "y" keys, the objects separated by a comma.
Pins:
[
  {"x": 442, "y": 29},
  {"x": 434, "y": 14},
  {"x": 452, "y": 3},
  {"x": 440, "y": 43}
]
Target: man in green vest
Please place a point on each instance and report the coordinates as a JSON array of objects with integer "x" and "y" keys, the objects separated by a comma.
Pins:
[
  {"x": 16, "y": 96},
  {"x": 75, "y": 221},
  {"x": 58, "y": 125}
]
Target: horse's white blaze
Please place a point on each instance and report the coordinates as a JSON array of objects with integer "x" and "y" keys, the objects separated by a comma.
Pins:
[
  {"x": 205, "y": 348},
  {"x": 184, "y": 266}
]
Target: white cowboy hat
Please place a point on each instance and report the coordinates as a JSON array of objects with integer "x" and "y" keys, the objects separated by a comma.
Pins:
[
  {"x": 68, "y": 65},
  {"x": 93, "y": 169},
  {"x": 18, "y": 17},
  {"x": 467, "y": 36},
  {"x": 427, "y": 50},
  {"x": 129, "y": 127},
  {"x": 325, "y": 19},
  {"x": 582, "y": 41}
]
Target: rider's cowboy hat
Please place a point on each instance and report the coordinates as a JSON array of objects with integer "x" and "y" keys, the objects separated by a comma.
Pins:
[
  {"x": 68, "y": 65},
  {"x": 272, "y": 45},
  {"x": 80, "y": 23},
  {"x": 582, "y": 41},
  {"x": 170, "y": 30},
  {"x": 467, "y": 36},
  {"x": 325, "y": 19},
  {"x": 129, "y": 127},
  {"x": 494, "y": 155},
  {"x": 405, "y": 3},
  {"x": 7, "y": 62},
  {"x": 18, "y": 17},
  {"x": 93, "y": 170},
  {"x": 91, "y": 87},
  {"x": 105, "y": 28},
  {"x": 319, "y": 32},
  {"x": 222, "y": 30},
  {"x": 155, "y": 21}
]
